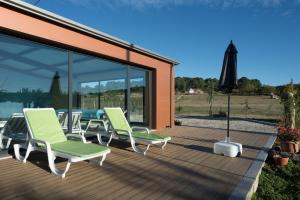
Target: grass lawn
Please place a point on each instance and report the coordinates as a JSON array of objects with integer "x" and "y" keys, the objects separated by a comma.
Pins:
[
  {"x": 260, "y": 107},
  {"x": 279, "y": 182}
]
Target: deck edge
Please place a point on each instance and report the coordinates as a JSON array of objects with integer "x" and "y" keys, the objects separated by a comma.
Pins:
[{"x": 248, "y": 185}]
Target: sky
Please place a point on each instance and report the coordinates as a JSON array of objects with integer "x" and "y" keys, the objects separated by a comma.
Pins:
[{"x": 197, "y": 32}]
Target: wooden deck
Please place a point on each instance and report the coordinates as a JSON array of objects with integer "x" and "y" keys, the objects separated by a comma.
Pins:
[{"x": 186, "y": 169}]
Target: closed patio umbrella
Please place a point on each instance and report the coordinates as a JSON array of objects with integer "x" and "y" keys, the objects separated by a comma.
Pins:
[
  {"x": 228, "y": 78},
  {"x": 55, "y": 92},
  {"x": 227, "y": 82}
]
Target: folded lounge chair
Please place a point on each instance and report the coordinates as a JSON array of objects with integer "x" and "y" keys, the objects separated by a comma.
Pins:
[
  {"x": 46, "y": 135},
  {"x": 121, "y": 130},
  {"x": 76, "y": 125},
  {"x": 14, "y": 129},
  {"x": 93, "y": 128}
]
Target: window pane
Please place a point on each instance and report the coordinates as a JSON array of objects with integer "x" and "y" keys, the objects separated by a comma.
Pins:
[
  {"x": 139, "y": 96},
  {"x": 97, "y": 83},
  {"x": 31, "y": 76}
]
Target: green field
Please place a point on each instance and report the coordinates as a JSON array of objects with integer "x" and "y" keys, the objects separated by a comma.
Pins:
[{"x": 259, "y": 107}]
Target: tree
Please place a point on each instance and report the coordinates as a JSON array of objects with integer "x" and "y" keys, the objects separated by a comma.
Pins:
[
  {"x": 249, "y": 86},
  {"x": 289, "y": 101},
  {"x": 256, "y": 85},
  {"x": 200, "y": 83},
  {"x": 180, "y": 84},
  {"x": 209, "y": 82},
  {"x": 243, "y": 85},
  {"x": 210, "y": 97},
  {"x": 267, "y": 89}
]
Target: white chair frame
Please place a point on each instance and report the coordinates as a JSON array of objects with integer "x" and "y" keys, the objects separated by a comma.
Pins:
[
  {"x": 112, "y": 134},
  {"x": 34, "y": 145}
]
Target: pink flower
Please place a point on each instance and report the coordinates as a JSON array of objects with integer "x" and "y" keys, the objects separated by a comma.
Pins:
[{"x": 288, "y": 134}]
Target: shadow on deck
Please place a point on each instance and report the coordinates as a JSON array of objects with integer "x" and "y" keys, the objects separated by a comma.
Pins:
[{"x": 186, "y": 169}]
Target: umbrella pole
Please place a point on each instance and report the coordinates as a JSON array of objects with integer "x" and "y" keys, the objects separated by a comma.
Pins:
[{"x": 228, "y": 116}]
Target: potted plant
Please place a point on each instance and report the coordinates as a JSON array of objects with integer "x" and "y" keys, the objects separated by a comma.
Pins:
[
  {"x": 289, "y": 139},
  {"x": 178, "y": 122},
  {"x": 281, "y": 160}
]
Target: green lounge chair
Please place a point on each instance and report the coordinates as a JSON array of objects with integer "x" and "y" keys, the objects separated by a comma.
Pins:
[
  {"x": 46, "y": 135},
  {"x": 120, "y": 129}
]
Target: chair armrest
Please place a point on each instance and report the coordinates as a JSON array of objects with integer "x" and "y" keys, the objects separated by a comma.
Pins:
[
  {"x": 40, "y": 141},
  {"x": 47, "y": 144},
  {"x": 96, "y": 120},
  {"x": 125, "y": 131},
  {"x": 121, "y": 130},
  {"x": 141, "y": 128},
  {"x": 77, "y": 136}
]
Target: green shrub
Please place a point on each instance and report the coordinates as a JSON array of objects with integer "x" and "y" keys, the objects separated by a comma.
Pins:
[{"x": 279, "y": 182}]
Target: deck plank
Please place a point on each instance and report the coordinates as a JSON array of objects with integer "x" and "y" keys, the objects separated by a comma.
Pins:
[{"x": 186, "y": 169}]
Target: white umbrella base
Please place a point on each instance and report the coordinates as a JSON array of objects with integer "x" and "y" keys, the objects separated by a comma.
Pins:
[{"x": 226, "y": 148}]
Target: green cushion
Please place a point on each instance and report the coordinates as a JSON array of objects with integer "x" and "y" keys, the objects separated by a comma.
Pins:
[
  {"x": 78, "y": 149},
  {"x": 117, "y": 119},
  {"x": 44, "y": 125},
  {"x": 151, "y": 136}
]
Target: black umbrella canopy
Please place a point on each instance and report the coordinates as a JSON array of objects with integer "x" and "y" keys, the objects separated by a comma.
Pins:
[{"x": 228, "y": 78}]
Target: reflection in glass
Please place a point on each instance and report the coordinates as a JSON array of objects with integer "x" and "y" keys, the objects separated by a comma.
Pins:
[
  {"x": 31, "y": 76},
  {"x": 90, "y": 95},
  {"x": 97, "y": 83},
  {"x": 113, "y": 93},
  {"x": 137, "y": 88},
  {"x": 139, "y": 96}
]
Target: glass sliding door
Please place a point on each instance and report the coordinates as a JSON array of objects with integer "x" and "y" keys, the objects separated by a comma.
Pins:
[
  {"x": 90, "y": 95},
  {"x": 32, "y": 75},
  {"x": 97, "y": 83},
  {"x": 113, "y": 93},
  {"x": 139, "y": 96}
]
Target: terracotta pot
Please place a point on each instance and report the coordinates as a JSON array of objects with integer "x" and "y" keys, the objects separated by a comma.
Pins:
[
  {"x": 279, "y": 160},
  {"x": 291, "y": 147}
]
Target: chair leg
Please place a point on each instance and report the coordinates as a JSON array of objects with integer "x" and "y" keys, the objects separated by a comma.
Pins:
[
  {"x": 8, "y": 143},
  {"x": 102, "y": 159},
  {"x": 29, "y": 149},
  {"x": 18, "y": 156},
  {"x": 138, "y": 149},
  {"x": 17, "y": 152},
  {"x": 54, "y": 169},
  {"x": 99, "y": 137},
  {"x": 164, "y": 144},
  {"x": 1, "y": 143}
]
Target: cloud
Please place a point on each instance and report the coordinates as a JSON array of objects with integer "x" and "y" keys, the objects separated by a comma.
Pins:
[
  {"x": 142, "y": 4},
  {"x": 287, "y": 13}
]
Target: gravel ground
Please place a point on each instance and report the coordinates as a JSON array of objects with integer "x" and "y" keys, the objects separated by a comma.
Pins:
[{"x": 221, "y": 123}]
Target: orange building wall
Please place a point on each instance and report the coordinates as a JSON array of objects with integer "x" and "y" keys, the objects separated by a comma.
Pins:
[{"x": 25, "y": 24}]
